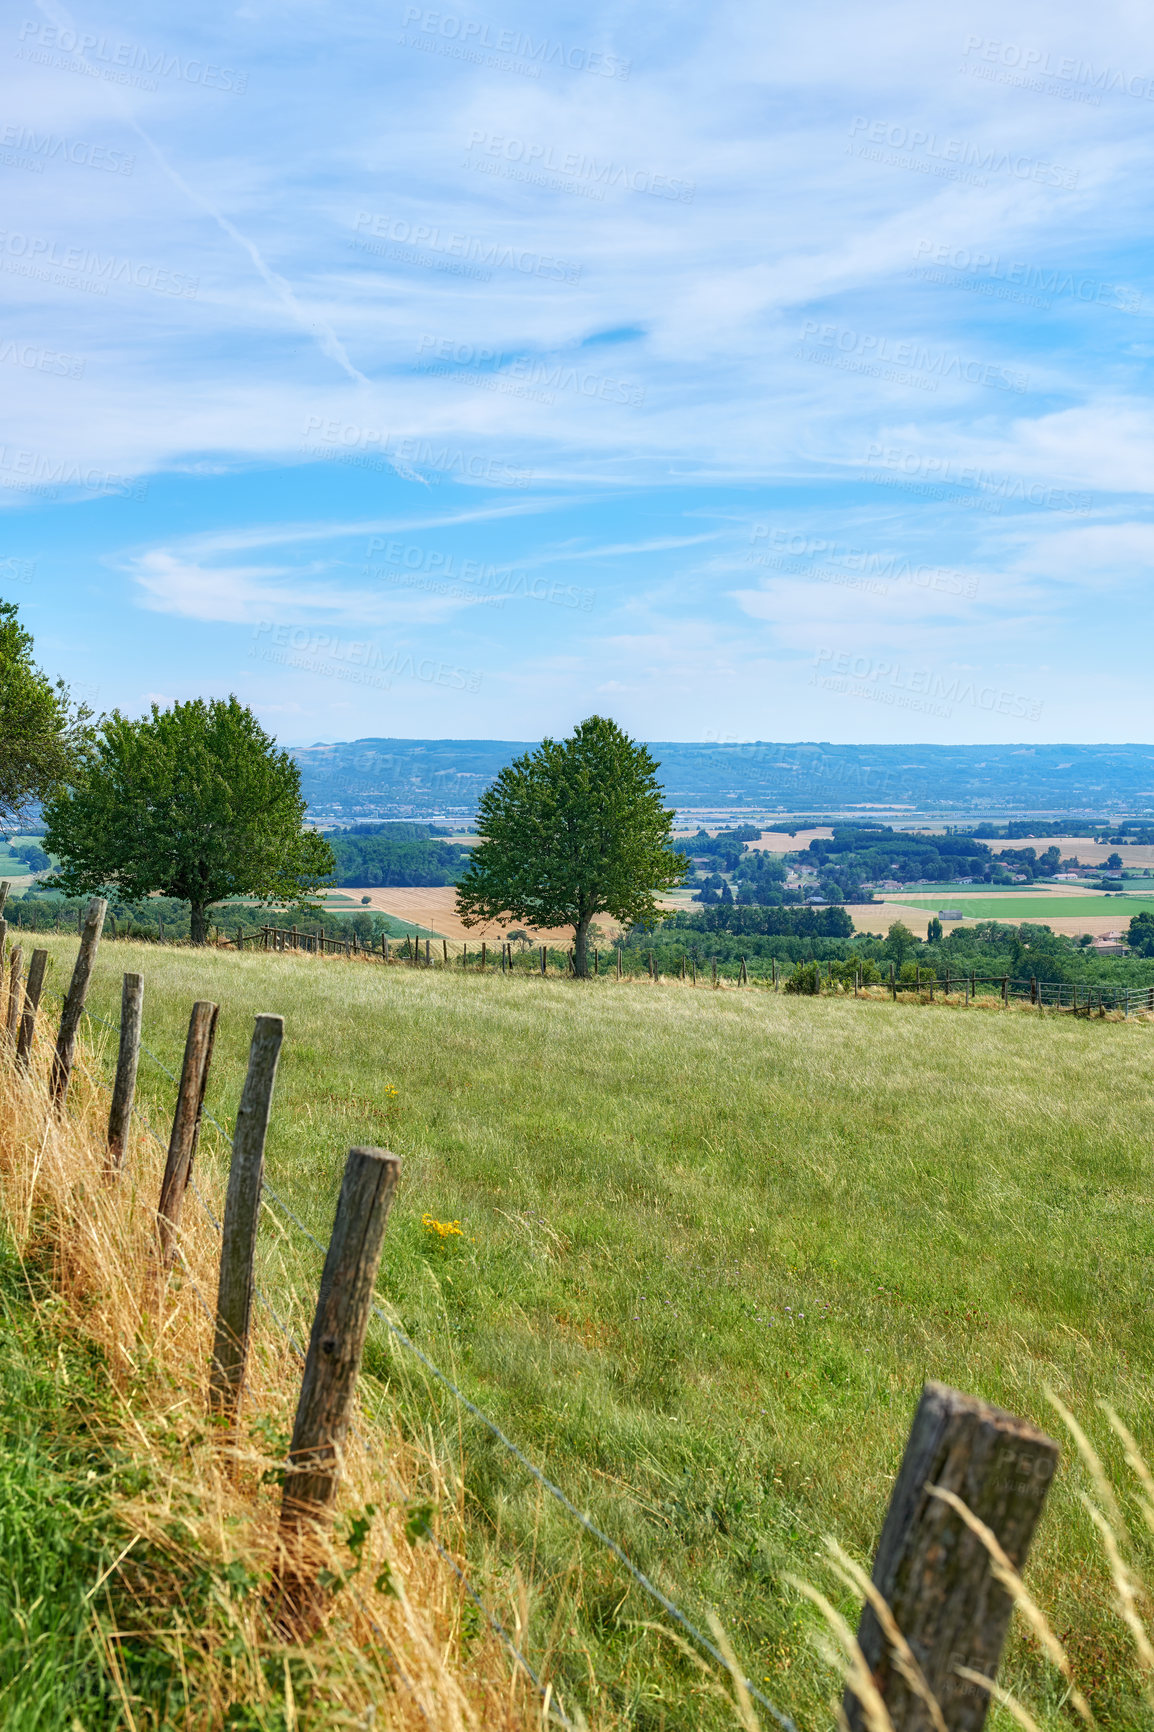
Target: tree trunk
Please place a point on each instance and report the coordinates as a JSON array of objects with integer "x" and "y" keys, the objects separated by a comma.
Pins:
[
  {"x": 199, "y": 922},
  {"x": 581, "y": 947}
]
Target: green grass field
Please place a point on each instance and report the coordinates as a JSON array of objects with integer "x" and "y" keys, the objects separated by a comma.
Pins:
[
  {"x": 1037, "y": 907},
  {"x": 712, "y": 1244}
]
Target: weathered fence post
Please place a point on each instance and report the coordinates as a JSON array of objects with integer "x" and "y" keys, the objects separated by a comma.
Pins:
[
  {"x": 744, "y": 973},
  {"x": 15, "y": 996},
  {"x": 328, "y": 1387},
  {"x": 933, "y": 1570},
  {"x": 241, "y": 1216},
  {"x": 31, "y": 1003},
  {"x": 773, "y": 967},
  {"x": 127, "y": 1059},
  {"x": 619, "y": 962},
  {"x": 445, "y": 951},
  {"x": 74, "y": 1003},
  {"x": 484, "y": 955},
  {"x": 185, "y": 1124},
  {"x": 542, "y": 959},
  {"x": 5, "y": 887}
]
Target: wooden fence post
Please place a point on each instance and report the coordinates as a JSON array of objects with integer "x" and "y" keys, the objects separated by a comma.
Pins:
[
  {"x": 445, "y": 951},
  {"x": 185, "y": 1124},
  {"x": 15, "y": 996},
  {"x": 74, "y": 1003},
  {"x": 241, "y": 1217},
  {"x": 31, "y": 1003},
  {"x": 934, "y": 1572},
  {"x": 773, "y": 966},
  {"x": 127, "y": 1059},
  {"x": 893, "y": 984},
  {"x": 619, "y": 962},
  {"x": 744, "y": 973},
  {"x": 328, "y": 1387},
  {"x": 484, "y": 955},
  {"x": 5, "y": 887},
  {"x": 542, "y": 959}
]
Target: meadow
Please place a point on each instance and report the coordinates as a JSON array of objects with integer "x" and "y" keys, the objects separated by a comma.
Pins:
[{"x": 711, "y": 1244}]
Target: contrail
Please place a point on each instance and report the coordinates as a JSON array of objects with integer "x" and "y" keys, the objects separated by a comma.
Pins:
[{"x": 319, "y": 329}]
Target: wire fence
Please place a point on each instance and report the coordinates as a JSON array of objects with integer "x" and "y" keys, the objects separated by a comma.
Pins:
[
  {"x": 1082, "y": 998},
  {"x": 638, "y": 1576}
]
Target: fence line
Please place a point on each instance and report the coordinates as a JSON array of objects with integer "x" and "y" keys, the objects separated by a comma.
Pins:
[
  {"x": 491, "y": 1618},
  {"x": 1082, "y": 998},
  {"x": 952, "y": 1607},
  {"x": 667, "y": 1605}
]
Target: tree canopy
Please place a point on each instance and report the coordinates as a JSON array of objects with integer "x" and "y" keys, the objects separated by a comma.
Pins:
[
  {"x": 39, "y": 729},
  {"x": 574, "y": 829},
  {"x": 194, "y": 802}
]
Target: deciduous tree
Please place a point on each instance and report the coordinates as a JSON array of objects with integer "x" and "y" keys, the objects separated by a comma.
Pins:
[
  {"x": 195, "y": 802},
  {"x": 40, "y": 730},
  {"x": 575, "y": 829}
]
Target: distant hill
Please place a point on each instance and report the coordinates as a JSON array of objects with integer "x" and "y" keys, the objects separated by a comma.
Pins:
[{"x": 392, "y": 778}]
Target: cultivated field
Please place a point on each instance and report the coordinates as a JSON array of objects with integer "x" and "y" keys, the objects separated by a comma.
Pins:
[
  {"x": 711, "y": 1245},
  {"x": 1063, "y": 907},
  {"x": 434, "y": 909}
]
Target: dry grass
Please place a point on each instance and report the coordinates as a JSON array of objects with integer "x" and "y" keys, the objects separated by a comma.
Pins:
[{"x": 199, "y": 1540}]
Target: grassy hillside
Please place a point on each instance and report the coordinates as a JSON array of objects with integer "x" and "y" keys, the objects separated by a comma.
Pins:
[{"x": 712, "y": 1244}]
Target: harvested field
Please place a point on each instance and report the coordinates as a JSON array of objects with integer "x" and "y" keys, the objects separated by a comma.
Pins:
[{"x": 435, "y": 909}]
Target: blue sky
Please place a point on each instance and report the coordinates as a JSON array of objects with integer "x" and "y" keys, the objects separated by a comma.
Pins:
[{"x": 740, "y": 372}]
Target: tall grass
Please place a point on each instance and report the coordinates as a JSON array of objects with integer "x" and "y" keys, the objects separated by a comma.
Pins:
[
  {"x": 711, "y": 1246},
  {"x": 139, "y": 1550}
]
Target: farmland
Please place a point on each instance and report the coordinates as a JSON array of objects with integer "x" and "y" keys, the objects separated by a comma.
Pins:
[{"x": 711, "y": 1246}]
